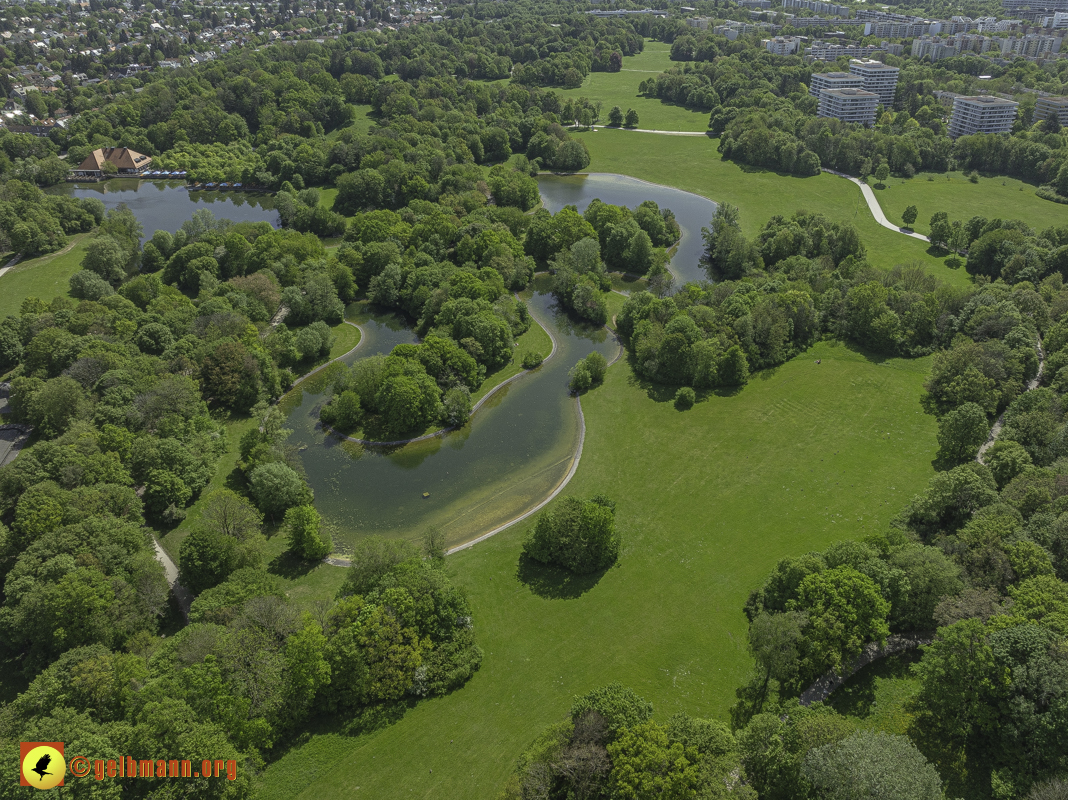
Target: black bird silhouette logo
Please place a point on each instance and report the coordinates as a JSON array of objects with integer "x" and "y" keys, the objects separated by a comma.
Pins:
[{"x": 42, "y": 766}]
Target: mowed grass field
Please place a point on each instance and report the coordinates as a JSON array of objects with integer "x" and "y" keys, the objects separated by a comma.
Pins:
[
  {"x": 693, "y": 163},
  {"x": 1005, "y": 198},
  {"x": 44, "y": 277},
  {"x": 621, "y": 89},
  {"x": 708, "y": 501}
]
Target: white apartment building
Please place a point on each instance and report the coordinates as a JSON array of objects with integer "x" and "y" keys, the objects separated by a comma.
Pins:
[
  {"x": 1058, "y": 22},
  {"x": 818, "y": 7},
  {"x": 1032, "y": 45},
  {"x": 782, "y": 45},
  {"x": 896, "y": 30},
  {"x": 826, "y": 51},
  {"x": 701, "y": 23},
  {"x": 849, "y": 105},
  {"x": 1052, "y": 106},
  {"x": 878, "y": 78},
  {"x": 981, "y": 114},
  {"x": 822, "y": 81}
]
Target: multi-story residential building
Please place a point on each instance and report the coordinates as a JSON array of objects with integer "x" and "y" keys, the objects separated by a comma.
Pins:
[
  {"x": 1052, "y": 106},
  {"x": 1043, "y": 5},
  {"x": 1033, "y": 45},
  {"x": 824, "y": 22},
  {"x": 1058, "y": 21},
  {"x": 879, "y": 78},
  {"x": 896, "y": 30},
  {"x": 760, "y": 4},
  {"x": 981, "y": 114},
  {"x": 782, "y": 45},
  {"x": 822, "y": 81},
  {"x": 818, "y": 7},
  {"x": 892, "y": 49},
  {"x": 885, "y": 16},
  {"x": 935, "y": 47},
  {"x": 701, "y": 23},
  {"x": 849, "y": 105},
  {"x": 826, "y": 51}
]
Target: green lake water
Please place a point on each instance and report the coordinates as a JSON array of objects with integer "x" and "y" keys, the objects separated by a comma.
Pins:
[
  {"x": 513, "y": 453},
  {"x": 516, "y": 449},
  {"x": 691, "y": 211},
  {"x": 165, "y": 205}
]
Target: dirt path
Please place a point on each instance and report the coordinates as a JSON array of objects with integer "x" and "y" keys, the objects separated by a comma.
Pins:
[
  {"x": 50, "y": 257},
  {"x": 995, "y": 431}
]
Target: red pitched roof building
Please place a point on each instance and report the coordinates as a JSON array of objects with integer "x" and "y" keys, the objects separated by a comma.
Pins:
[{"x": 127, "y": 161}]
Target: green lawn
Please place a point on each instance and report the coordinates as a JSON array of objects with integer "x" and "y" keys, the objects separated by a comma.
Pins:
[
  {"x": 694, "y": 164},
  {"x": 44, "y": 277},
  {"x": 621, "y": 89},
  {"x": 877, "y": 697},
  {"x": 708, "y": 501},
  {"x": 953, "y": 193}
]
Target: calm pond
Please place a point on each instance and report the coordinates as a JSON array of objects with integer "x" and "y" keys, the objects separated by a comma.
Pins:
[
  {"x": 165, "y": 205},
  {"x": 691, "y": 211},
  {"x": 515, "y": 450},
  {"x": 513, "y": 453}
]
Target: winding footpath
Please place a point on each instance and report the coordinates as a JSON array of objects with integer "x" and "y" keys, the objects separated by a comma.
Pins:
[
  {"x": 563, "y": 481},
  {"x": 875, "y": 208},
  {"x": 995, "y": 431},
  {"x": 647, "y": 130}
]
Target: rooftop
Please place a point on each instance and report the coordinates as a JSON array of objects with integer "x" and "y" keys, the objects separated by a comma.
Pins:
[
  {"x": 849, "y": 93},
  {"x": 988, "y": 100}
]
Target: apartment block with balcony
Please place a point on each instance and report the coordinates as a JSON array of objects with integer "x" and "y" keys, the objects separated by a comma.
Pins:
[
  {"x": 1052, "y": 106},
  {"x": 849, "y": 105},
  {"x": 782, "y": 45},
  {"x": 878, "y": 78},
  {"x": 826, "y": 51},
  {"x": 822, "y": 81},
  {"x": 981, "y": 114}
]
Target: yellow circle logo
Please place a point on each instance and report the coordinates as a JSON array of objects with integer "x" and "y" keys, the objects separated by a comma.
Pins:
[{"x": 43, "y": 767}]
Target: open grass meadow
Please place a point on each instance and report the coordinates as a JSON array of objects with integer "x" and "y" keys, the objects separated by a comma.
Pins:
[
  {"x": 708, "y": 501},
  {"x": 952, "y": 192},
  {"x": 45, "y": 276},
  {"x": 621, "y": 89},
  {"x": 693, "y": 163}
]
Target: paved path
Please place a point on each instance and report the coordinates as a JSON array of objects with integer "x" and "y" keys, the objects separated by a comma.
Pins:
[
  {"x": 995, "y": 431},
  {"x": 646, "y": 130},
  {"x": 9, "y": 265},
  {"x": 320, "y": 368},
  {"x": 170, "y": 569},
  {"x": 875, "y": 208}
]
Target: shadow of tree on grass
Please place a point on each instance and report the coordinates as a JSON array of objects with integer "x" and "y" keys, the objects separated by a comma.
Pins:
[
  {"x": 287, "y": 565},
  {"x": 554, "y": 583}
]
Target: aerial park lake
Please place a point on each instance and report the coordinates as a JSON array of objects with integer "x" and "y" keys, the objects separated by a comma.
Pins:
[
  {"x": 513, "y": 453},
  {"x": 163, "y": 205},
  {"x": 518, "y": 448}
]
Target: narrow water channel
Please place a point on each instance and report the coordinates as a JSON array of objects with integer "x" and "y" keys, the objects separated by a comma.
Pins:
[{"x": 512, "y": 454}]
